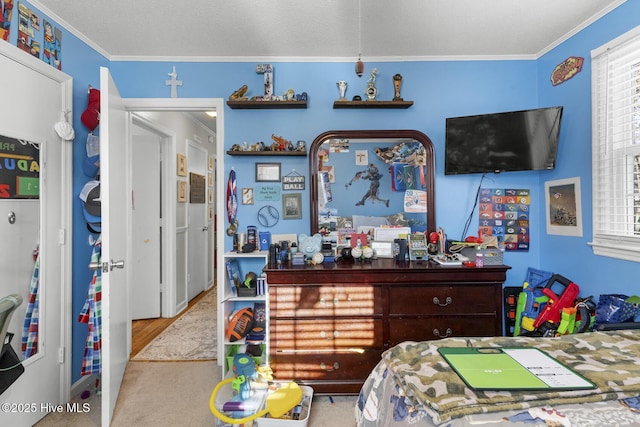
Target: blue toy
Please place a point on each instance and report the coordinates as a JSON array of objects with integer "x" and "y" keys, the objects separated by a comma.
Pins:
[
  {"x": 245, "y": 369},
  {"x": 309, "y": 245}
]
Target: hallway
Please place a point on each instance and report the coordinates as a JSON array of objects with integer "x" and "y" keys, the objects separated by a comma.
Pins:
[{"x": 143, "y": 331}]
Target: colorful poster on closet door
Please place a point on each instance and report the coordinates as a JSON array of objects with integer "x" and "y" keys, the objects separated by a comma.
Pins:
[{"x": 504, "y": 213}]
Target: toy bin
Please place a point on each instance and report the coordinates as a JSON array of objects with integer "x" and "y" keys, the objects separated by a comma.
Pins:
[
  {"x": 233, "y": 350},
  {"x": 249, "y": 407},
  {"x": 302, "y": 412}
]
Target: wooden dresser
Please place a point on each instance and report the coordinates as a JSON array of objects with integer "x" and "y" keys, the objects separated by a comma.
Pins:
[{"x": 330, "y": 323}]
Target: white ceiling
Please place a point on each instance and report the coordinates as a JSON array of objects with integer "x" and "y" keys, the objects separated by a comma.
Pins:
[{"x": 323, "y": 30}]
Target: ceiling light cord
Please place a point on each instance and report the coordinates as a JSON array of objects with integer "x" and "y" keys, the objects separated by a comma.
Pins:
[{"x": 359, "y": 63}]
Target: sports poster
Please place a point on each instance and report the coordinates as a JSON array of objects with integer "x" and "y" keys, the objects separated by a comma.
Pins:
[{"x": 504, "y": 213}]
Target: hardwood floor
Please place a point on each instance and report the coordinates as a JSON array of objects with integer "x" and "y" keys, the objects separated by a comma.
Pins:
[{"x": 143, "y": 331}]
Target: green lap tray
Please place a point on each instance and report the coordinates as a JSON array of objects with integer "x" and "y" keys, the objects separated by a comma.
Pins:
[{"x": 521, "y": 368}]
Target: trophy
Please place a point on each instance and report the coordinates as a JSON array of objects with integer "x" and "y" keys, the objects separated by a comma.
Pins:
[
  {"x": 371, "y": 91},
  {"x": 342, "y": 86},
  {"x": 397, "y": 82}
]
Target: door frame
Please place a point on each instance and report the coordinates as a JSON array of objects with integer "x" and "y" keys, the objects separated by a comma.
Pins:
[{"x": 134, "y": 105}]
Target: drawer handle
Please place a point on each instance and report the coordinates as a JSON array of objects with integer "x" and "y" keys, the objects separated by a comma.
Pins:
[
  {"x": 447, "y": 301},
  {"x": 336, "y": 366},
  {"x": 448, "y": 333},
  {"x": 324, "y": 301},
  {"x": 323, "y": 334}
]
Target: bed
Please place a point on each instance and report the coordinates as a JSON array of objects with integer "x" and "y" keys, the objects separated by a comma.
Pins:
[{"x": 413, "y": 385}]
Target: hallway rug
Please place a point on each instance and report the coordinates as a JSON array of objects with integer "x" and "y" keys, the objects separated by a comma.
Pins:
[{"x": 190, "y": 337}]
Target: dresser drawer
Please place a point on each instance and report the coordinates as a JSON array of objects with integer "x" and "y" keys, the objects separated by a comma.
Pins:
[
  {"x": 442, "y": 299},
  {"x": 327, "y": 300},
  {"x": 323, "y": 366},
  {"x": 431, "y": 328},
  {"x": 325, "y": 333}
]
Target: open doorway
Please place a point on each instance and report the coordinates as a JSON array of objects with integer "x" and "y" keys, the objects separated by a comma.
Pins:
[{"x": 152, "y": 119}]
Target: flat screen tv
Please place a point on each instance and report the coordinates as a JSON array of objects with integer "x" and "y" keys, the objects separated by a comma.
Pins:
[{"x": 501, "y": 142}]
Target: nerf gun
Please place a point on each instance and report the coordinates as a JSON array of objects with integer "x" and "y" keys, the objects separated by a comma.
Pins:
[
  {"x": 553, "y": 309},
  {"x": 531, "y": 302}
]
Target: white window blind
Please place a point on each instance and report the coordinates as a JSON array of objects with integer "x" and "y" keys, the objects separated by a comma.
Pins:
[{"x": 616, "y": 147}]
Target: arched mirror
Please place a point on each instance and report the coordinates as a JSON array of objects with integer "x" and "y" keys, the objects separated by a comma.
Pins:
[{"x": 362, "y": 179}]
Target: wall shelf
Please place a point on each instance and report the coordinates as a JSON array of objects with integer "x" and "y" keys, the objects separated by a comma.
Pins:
[
  {"x": 266, "y": 153},
  {"x": 259, "y": 105},
  {"x": 372, "y": 104}
]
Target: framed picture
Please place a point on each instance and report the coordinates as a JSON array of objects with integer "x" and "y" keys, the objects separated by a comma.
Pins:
[
  {"x": 267, "y": 172},
  {"x": 247, "y": 196},
  {"x": 182, "y": 165},
  {"x": 182, "y": 191},
  {"x": 564, "y": 207},
  {"x": 292, "y": 206}
]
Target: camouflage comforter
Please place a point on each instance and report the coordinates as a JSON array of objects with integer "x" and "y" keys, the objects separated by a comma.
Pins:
[{"x": 611, "y": 360}]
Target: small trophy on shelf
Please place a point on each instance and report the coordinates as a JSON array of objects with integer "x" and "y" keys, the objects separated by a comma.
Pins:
[
  {"x": 342, "y": 86},
  {"x": 371, "y": 91},
  {"x": 397, "y": 82}
]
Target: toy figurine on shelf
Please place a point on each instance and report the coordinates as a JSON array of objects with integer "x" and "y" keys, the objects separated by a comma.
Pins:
[
  {"x": 281, "y": 144},
  {"x": 239, "y": 95}
]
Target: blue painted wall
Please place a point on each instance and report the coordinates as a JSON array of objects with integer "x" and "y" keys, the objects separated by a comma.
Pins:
[
  {"x": 572, "y": 256},
  {"x": 440, "y": 89}
]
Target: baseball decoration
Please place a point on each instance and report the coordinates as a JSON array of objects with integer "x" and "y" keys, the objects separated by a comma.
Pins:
[{"x": 268, "y": 216}]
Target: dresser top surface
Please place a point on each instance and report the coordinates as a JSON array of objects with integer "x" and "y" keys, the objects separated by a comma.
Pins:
[
  {"x": 384, "y": 271},
  {"x": 381, "y": 265}
]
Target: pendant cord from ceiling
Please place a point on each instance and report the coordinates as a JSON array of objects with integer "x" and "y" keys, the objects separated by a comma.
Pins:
[{"x": 359, "y": 30}]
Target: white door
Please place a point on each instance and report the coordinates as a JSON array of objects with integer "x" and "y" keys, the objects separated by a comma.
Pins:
[
  {"x": 34, "y": 96},
  {"x": 114, "y": 185},
  {"x": 198, "y": 225},
  {"x": 145, "y": 265}
]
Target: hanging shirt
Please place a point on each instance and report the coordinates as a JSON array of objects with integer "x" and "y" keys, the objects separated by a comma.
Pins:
[
  {"x": 32, "y": 315},
  {"x": 92, "y": 315}
]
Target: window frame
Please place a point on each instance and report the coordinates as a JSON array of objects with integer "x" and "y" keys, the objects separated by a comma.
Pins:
[{"x": 623, "y": 242}]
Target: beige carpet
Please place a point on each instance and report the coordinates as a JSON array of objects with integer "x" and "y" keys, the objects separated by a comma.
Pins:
[
  {"x": 159, "y": 394},
  {"x": 176, "y": 392},
  {"x": 191, "y": 337}
]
